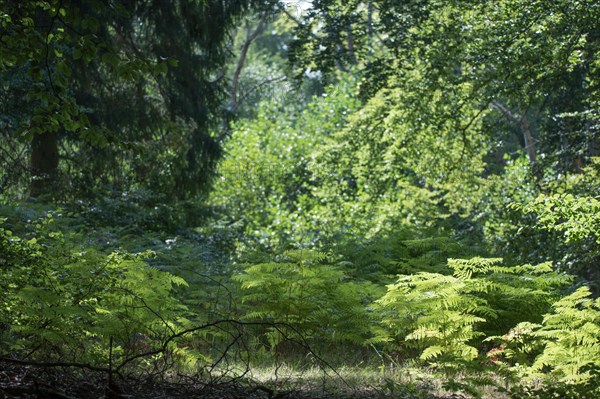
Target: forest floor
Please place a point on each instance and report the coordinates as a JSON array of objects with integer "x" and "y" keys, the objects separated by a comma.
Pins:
[{"x": 29, "y": 382}]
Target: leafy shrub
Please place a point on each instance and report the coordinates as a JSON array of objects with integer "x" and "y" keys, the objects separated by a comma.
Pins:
[
  {"x": 573, "y": 221},
  {"x": 265, "y": 185}
]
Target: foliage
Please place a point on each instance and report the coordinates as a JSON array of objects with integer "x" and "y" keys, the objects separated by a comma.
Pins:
[
  {"x": 128, "y": 94},
  {"x": 450, "y": 144},
  {"x": 260, "y": 74},
  {"x": 572, "y": 335},
  {"x": 330, "y": 36},
  {"x": 403, "y": 251},
  {"x": 305, "y": 290},
  {"x": 494, "y": 209},
  {"x": 528, "y": 221},
  {"x": 264, "y": 191},
  {"x": 446, "y": 317},
  {"x": 575, "y": 220},
  {"x": 563, "y": 350},
  {"x": 62, "y": 302}
]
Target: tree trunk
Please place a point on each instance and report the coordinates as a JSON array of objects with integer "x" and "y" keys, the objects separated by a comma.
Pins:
[
  {"x": 523, "y": 123},
  {"x": 527, "y": 138},
  {"x": 44, "y": 163}
]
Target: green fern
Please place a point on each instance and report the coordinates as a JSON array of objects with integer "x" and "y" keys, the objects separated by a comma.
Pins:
[
  {"x": 572, "y": 340},
  {"x": 401, "y": 252},
  {"x": 516, "y": 293},
  {"x": 435, "y": 313},
  {"x": 563, "y": 350},
  {"x": 446, "y": 318},
  {"x": 71, "y": 303},
  {"x": 303, "y": 289}
]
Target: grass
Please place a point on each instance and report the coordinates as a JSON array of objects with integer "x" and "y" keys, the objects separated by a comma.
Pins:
[{"x": 366, "y": 379}]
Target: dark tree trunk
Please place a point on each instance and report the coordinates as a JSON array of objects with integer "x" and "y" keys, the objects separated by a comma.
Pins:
[{"x": 44, "y": 163}]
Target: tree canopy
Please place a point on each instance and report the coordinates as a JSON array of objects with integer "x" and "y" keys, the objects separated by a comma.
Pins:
[{"x": 124, "y": 94}]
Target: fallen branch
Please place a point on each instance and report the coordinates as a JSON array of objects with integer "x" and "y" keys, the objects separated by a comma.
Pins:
[
  {"x": 54, "y": 364},
  {"x": 283, "y": 328},
  {"x": 280, "y": 327}
]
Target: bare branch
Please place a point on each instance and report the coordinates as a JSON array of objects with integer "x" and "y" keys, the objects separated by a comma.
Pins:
[{"x": 251, "y": 35}]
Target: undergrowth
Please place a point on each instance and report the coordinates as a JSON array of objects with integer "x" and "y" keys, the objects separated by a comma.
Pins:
[{"x": 169, "y": 301}]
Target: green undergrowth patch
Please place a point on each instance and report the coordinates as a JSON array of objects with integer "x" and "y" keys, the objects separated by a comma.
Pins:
[{"x": 401, "y": 316}]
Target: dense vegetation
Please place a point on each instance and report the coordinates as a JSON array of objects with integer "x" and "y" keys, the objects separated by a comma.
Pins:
[{"x": 194, "y": 190}]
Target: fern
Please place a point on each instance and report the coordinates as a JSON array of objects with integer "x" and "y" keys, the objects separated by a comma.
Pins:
[
  {"x": 446, "y": 318},
  {"x": 303, "y": 289},
  {"x": 572, "y": 339},
  {"x": 516, "y": 293},
  {"x": 401, "y": 252},
  {"x": 433, "y": 312},
  {"x": 563, "y": 350},
  {"x": 71, "y": 303}
]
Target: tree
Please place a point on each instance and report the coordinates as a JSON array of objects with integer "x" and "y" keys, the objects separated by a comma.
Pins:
[
  {"x": 534, "y": 62},
  {"x": 266, "y": 183},
  {"x": 106, "y": 80},
  {"x": 331, "y": 36}
]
